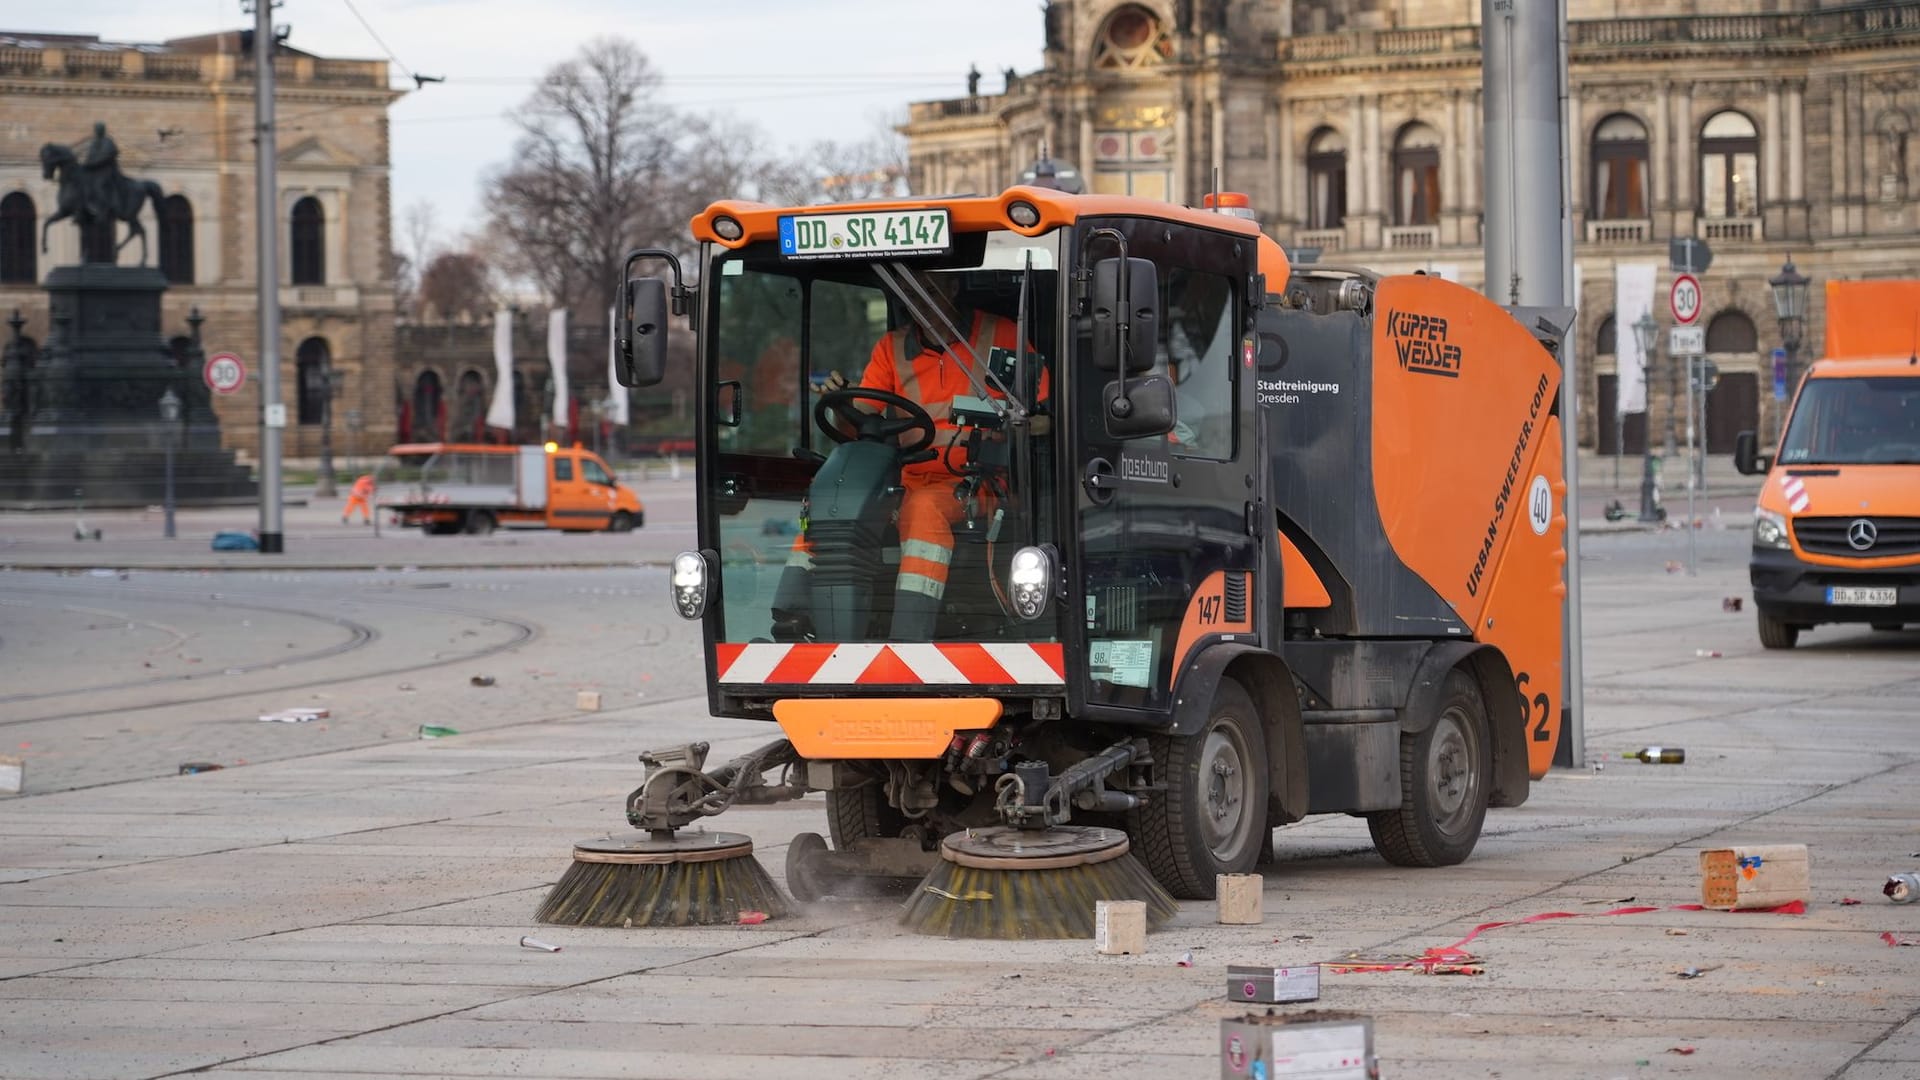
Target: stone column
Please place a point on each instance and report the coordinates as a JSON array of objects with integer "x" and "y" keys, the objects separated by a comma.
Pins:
[
  {"x": 1576, "y": 148},
  {"x": 1357, "y": 166},
  {"x": 1857, "y": 154},
  {"x": 1470, "y": 161},
  {"x": 1683, "y": 165},
  {"x": 1375, "y": 155},
  {"x": 1450, "y": 156},
  {"x": 1085, "y": 104},
  {"x": 1837, "y": 151},
  {"x": 1182, "y": 149},
  {"x": 1771, "y": 189},
  {"x": 1280, "y": 164},
  {"x": 1217, "y": 126},
  {"x": 1660, "y": 150},
  {"x": 1796, "y": 142}
]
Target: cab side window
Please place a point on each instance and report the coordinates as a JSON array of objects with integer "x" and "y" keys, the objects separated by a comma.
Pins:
[
  {"x": 562, "y": 469},
  {"x": 594, "y": 473},
  {"x": 1198, "y": 338}
]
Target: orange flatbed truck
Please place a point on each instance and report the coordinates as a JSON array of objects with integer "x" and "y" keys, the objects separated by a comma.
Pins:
[
  {"x": 446, "y": 488},
  {"x": 1836, "y": 531},
  {"x": 1288, "y": 541}
]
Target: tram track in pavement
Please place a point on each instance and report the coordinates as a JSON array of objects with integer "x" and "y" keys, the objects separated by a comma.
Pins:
[{"x": 361, "y": 635}]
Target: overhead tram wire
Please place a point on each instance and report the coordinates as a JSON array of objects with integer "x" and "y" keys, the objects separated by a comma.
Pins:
[{"x": 419, "y": 81}]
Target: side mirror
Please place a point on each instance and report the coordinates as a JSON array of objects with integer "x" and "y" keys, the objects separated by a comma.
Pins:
[
  {"x": 643, "y": 333},
  {"x": 1747, "y": 459},
  {"x": 1138, "y": 310},
  {"x": 1139, "y": 409}
]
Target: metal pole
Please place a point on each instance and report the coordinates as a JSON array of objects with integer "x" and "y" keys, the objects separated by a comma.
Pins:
[
  {"x": 169, "y": 506},
  {"x": 273, "y": 415},
  {"x": 1573, "y": 730},
  {"x": 1693, "y": 533}
]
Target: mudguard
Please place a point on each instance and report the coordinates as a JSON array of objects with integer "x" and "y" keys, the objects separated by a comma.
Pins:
[
  {"x": 1267, "y": 679},
  {"x": 1507, "y": 722}
]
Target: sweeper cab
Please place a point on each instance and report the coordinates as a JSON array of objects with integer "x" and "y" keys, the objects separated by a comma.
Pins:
[{"x": 1232, "y": 542}]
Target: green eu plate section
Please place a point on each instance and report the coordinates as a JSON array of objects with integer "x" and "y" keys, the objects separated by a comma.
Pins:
[{"x": 864, "y": 234}]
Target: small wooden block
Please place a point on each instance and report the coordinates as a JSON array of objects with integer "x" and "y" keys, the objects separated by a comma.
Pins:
[
  {"x": 1239, "y": 897},
  {"x": 13, "y": 774},
  {"x": 1760, "y": 876},
  {"x": 1120, "y": 926},
  {"x": 587, "y": 701}
]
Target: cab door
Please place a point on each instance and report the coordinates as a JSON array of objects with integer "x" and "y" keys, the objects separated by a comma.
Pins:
[
  {"x": 1166, "y": 551},
  {"x": 572, "y": 501}
]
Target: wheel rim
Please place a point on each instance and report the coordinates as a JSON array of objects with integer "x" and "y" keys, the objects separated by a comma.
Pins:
[
  {"x": 1453, "y": 771},
  {"x": 1225, "y": 817}
]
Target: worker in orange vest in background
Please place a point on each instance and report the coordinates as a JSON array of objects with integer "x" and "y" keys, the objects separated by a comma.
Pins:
[
  {"x": 923, "y": 364},
  {"x": 362, "y": 497}
]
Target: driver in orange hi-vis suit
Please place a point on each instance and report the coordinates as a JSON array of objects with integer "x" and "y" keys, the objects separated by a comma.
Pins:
[{"x": 926, "y": 365}]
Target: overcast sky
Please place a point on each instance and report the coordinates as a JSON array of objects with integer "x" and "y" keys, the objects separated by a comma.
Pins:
[{"x": 802, "y": 70}]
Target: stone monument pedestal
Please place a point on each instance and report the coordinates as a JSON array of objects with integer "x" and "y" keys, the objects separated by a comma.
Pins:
[{"x": 90, "y": 430}]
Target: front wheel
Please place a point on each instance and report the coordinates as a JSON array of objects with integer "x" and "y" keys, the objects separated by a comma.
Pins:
[
  {"x": 1444, "y": 774},
  {"x": 620, "y": 522},
  {"x": 1776, "y": 634},
  {"x": 1210, "y": 815}
]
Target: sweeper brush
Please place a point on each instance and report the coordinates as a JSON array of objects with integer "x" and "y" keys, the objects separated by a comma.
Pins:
[
  {"x": 696, "y": 880},
  {"x": 662, "y": 878},
  {"x": 1011, "y": 884}
]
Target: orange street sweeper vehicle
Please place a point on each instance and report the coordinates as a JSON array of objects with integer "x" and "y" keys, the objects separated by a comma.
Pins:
[
  {"x": 1836, "y": 533},
  {"x": 1214, "y": 543}
]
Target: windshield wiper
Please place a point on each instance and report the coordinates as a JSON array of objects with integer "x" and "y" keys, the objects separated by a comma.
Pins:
[{"x": 920, "y": 304}]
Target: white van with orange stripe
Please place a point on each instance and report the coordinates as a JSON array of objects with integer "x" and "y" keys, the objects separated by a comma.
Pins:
[{"x": 1836, "y": 534}]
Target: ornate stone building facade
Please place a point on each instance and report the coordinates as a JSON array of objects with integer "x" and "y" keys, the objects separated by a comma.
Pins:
[
  {"x": 181, "y": 114},
  {"x": 1765, "y": 127}
]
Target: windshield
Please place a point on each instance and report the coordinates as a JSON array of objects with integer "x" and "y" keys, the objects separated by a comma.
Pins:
[
  {"x": 1855, "y": 421},
  {"x": 892, "y": 543}
]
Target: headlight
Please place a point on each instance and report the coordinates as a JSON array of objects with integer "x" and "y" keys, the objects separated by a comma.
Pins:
[
  {"x": 727, "y": 228},
  {"x": 1032, "y": 579},
  {"x": 1769, "y": 529},
  {"x": 1024, "y": 214},
  {"x": 689, "y": 582}
]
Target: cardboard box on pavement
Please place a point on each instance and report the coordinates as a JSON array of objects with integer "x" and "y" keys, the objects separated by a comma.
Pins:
[
  {"x": 1273, "y": 985},
  {"x": 1754, "y": 876},
  {"x": 1318, "y": 1044},
  {"x": 1120, "y": 926},
  {"x": 587, "y": 701},
  {"x": 13, "y": 774}
]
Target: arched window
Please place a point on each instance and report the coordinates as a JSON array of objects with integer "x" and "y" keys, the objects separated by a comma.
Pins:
[
  {"x": 1416, "y": 175},
  {"x": 1132, "y": 37},
  {"x": 19, "y": 246},
  {"x": 176, "y": 239},
  {"x": 315, "y": 368},
  {"x": 1619, "y": 169},
  {"x": 309, "y": 248},
  {"x": 1729, "y": 166},
  {"x": 1732, "y": 332},
  {"x": 1326, "y": 180},
  {"x": 427, "y": 420},
  {"x": 1605, "y": 343}
]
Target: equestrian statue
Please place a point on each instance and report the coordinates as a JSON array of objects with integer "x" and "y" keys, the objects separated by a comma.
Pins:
[{"x": 93, "y": 190}]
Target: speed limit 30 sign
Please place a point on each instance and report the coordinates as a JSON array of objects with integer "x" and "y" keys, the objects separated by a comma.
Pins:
[
  {"x": 225, "y": 373},
  {"x": 1685, "y": 298}
]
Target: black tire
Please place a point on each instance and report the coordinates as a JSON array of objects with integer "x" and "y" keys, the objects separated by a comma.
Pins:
[
  {"x": 1210, "y": 815},
  {"x": 1445, "y": 776},
  {"x": 480, "y": 523},
  {"x": 1775, "y": 634},
  {"x": 1889, "y": 627},
  {"x": 441, "y": 528},
  {"x": 861, "y": 812},
  {"x": 803, "y": 876},
  {"x": 620, "y": 522}
]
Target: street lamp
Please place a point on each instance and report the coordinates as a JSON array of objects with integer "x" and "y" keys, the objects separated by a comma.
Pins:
[
  {"x": 1647, "y": 334},
  {"x": 170, "y": 416},
  {"x": 1790, "y": 304}
]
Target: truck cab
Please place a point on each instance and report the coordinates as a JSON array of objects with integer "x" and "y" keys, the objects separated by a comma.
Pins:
[{"x": 1836, "y": 534}]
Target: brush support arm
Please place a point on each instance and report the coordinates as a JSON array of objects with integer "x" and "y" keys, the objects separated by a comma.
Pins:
[
  {"x": 677, "y": 792},
  {"x": 1030, "y": 798}
]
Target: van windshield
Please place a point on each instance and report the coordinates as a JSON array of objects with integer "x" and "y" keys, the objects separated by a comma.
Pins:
[{"x": 1855, "y": 421}]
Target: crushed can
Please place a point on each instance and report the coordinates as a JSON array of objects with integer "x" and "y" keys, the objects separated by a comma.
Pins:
[
  {"x": 1320, "y": 1044},
  {"x": 1273, "y": 985},
  {"x": 1902, "y": 888}
]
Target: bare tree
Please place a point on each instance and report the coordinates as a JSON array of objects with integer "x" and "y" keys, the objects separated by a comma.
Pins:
[{"x": 455, "y": 287}]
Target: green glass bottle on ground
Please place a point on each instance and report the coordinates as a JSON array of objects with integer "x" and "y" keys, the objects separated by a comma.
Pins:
[{"x": 1658, "y": 755}]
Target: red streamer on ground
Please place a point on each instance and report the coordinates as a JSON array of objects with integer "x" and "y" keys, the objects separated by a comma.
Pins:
[{"x": 1454, "y": 959}]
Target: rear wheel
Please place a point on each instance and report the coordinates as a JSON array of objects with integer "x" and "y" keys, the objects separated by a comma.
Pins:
[
  {"x": 1210, "y": 816},
  {"x": 480, "y": 523},
  {"x": 862, "y": 812},
  {"x": 1775, "y": 634},
  {"x": 1444, "y": 774}
]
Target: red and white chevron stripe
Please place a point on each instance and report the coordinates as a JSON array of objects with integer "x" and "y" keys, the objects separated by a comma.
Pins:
[
  {"x": 1796, "y": 492},
  {"x": 879, "y": 664}
]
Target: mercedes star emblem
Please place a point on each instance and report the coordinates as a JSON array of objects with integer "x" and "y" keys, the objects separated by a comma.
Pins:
[{"x": 1861, "y": 534}]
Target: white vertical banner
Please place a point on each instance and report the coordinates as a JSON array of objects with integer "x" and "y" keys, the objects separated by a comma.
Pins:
[
  {"x": 500, "y": 410},
  {"x": 1632, "y": 298},
  {"x": 616, "y": 394},
  {"x": 557, "y": 356}
]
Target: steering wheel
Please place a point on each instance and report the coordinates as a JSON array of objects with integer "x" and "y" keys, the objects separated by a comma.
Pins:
[{"x": 872, "y": 427}]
